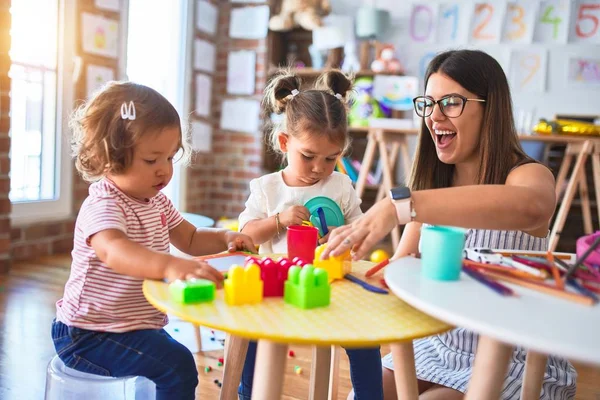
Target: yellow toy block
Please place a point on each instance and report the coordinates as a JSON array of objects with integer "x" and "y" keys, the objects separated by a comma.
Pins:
[
  {"x": 336, "y": 267},
  {"x": 243, "y": 285}
]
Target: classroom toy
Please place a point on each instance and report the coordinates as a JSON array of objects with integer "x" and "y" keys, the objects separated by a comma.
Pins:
[
  {"x": 331, "y": 213},
  {"x": 379, "y": 255},
  {"x": 307, "y": 287},
  {"x": 336, "y": 267},
  {"x": 243, "y": 285},
  {"x": 274, "y": 275},
  {"x": 291, "y": 353},
  {"x": 192, "y": 291},
  {"x": 299, "y": 261}
]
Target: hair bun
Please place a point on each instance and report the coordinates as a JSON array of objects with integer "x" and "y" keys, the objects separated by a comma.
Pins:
[
  {"x": 335, "y": 82},
  {"x": 280, "y": 90}
]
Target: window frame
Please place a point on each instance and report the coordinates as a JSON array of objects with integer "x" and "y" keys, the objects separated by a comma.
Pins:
[{"x": 60, "y": 208}]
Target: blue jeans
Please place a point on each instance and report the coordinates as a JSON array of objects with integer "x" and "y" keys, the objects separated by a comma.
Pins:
[
  {"x": 365, "y": 372},
  {"x": 151, "y": 353}
]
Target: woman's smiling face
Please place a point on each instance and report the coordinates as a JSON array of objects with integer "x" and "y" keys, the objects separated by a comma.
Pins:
[{"x": 456, "y": 139}]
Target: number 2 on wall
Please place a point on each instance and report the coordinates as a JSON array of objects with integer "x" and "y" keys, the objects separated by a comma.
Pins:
[
  {"x": 582, "y": 16},
  {"x": 478, "y": 32}
]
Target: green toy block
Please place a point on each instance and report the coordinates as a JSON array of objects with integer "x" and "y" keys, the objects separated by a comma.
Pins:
[
  {"x": 192, "y": 291},
  {"x": 307, "y": 287}
]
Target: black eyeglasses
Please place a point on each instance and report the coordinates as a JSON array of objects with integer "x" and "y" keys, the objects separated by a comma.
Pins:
[{"x": 452, "y": 105}]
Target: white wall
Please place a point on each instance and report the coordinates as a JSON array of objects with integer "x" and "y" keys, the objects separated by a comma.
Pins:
[{"x": 558, "y": 98}]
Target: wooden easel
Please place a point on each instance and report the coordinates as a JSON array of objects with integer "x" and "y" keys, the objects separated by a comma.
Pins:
[{"x": 380, "y": 139}]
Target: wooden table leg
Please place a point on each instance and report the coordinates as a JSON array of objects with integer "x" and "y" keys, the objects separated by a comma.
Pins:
[
  {"x": 334, "y": 373},
  {"x": 235, "y": 356},
  {"x": 365, "y": 167},
  {"x": 489, "y": 370},
  {"x": 586, "y": 209},
  {"x": 405, "y": 374},
  {"x": 388, "y": 183},
  {"x": 269, "y": 370},
  {"x": 596, "y": 173},
  {"x": 319, "y": 373},
  {"x": 535, "y": 366},
  {"x": 563, "y": 171},
  {"x": 198, "y": 335},
  {"x": 561, "y": 216}
]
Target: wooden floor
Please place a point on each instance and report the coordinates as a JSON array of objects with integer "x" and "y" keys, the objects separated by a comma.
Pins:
[{"x": 28, "y": 294}]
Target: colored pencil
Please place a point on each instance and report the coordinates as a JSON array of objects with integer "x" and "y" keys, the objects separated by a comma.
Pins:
[
  {"x": 555, "y": 274},
  {"x": 581, "y": 259},
  {"x": 541, "y": 287},
  {"x": 520, "y": 266},
  {"x": 495, "y": 286},
  {"x": 541, "y": 264},
  {"x": 592, "y": 288},
  {"x": 501, "y": 268},
  {"x": 508, "y": 253},
  {"x": 377, "y": 268},
  {"x": 581, "y": 289}
]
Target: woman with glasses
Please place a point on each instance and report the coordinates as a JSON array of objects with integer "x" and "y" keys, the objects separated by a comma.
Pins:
[{"x": 469, "y": 171}]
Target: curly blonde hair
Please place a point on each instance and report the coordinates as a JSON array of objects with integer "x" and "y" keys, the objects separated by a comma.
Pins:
[
  {"x": 103, "y": 142},
  {"x": 321, "y": 111}
]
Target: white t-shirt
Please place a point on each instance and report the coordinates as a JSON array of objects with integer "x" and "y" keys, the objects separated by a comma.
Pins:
[{"x": 270, "y": 195}]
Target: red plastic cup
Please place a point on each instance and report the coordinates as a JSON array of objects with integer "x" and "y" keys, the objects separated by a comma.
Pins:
[{"x": 302, "y": 242}]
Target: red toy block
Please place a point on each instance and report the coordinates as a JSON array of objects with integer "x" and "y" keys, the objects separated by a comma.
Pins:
[
  {"x": 299, "y": 262},
  {"x": 273, "y": 275}
]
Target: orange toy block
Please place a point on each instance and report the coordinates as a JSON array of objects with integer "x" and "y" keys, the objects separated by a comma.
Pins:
[
  {"x": 243, "y": 285},
  {"x": 336, "y": 267}
]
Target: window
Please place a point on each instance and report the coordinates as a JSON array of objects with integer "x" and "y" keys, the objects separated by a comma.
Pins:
[
  {"x": 41, "y": 99},
  {"x": 158, "y": 57}
]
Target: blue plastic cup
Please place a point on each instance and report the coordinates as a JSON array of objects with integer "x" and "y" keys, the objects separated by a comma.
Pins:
[{"x": 442, "y": 252}]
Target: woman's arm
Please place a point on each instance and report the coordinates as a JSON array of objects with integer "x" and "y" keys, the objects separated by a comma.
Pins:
[{"x": 526, "y": 203}]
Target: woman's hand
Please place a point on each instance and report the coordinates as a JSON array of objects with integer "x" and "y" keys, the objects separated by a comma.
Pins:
[
  {"x": 236, "y": 241},
  {"x": 184, "y": 269},
  {"x": 363, "y": 233},
  {"x": 294, "y": 216}
]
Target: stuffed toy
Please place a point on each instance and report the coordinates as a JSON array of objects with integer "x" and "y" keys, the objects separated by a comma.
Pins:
[
  {"x": 306, "y": 14},
  {"x": 387, "y": 62}
]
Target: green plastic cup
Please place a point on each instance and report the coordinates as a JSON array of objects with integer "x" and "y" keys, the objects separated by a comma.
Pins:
[{"x": 442, "y": 252}]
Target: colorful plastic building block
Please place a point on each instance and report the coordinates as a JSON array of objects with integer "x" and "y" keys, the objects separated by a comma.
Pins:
[
  {"x": 307, "y": 287},
  {"x": 243, "y": 285},
  {"x": 336, "y": 267},
  {"x": 192, "y": 291},
  {"x": 274, "y": 274}
]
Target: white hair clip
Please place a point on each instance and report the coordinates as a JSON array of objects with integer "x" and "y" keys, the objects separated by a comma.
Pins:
[
  {"x": 128, "y": 111},
  {"x": 339, "y": 96},
  {"x": 295, "y": 92}
]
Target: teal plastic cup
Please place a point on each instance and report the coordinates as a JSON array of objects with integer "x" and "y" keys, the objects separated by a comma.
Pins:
[{"x": 442, "y": 252}]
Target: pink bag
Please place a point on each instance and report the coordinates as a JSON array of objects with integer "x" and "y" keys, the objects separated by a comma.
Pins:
[{"x": 583, "y": 243}]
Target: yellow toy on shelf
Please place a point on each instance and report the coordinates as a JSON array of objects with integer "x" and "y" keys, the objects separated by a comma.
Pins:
[
  {"x": 243, "y": 285},
  {"x": 336, "y": 267},
  {"x": 566, "y": 127}
]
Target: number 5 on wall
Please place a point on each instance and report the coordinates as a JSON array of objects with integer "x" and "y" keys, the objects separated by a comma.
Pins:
[{"x": 587, "y": 22}]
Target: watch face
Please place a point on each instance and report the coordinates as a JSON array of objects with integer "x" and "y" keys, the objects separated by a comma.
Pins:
[{"x": 400, "y": 193}]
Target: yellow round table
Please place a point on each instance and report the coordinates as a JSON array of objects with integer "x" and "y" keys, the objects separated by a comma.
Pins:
[{"x": 355, "y": 318}]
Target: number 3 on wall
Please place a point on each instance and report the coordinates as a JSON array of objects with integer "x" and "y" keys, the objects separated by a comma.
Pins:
[{"x": 587, "y": 23}]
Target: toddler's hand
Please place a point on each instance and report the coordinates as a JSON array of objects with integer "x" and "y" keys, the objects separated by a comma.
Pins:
[
  {"x": 236, "y": 241},
  {"x": 184, "y": 269},
  {"x": 325, "y": 238},
  {"x": 294, "y": 216}
]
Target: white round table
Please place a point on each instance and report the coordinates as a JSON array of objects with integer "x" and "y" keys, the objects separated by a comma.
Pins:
[{"x": 541, "y": 323}]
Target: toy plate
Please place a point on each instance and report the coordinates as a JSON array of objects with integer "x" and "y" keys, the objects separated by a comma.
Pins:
[{"x": 333, "y": 212}]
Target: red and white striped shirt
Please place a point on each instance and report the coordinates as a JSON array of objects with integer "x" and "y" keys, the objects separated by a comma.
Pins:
[{"x": 96, "y": 297}]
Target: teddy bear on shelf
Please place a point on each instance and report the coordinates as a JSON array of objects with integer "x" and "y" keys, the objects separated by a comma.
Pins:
[
  {"x": 306, "y": 14},
  {"x": 387, "y": 62}
]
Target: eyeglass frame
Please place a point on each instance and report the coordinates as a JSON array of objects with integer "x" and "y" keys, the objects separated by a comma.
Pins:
[{"x": 463, "y": 98}]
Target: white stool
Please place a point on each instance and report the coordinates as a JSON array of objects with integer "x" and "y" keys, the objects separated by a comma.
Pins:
[{"x": 63, "y": 383}]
